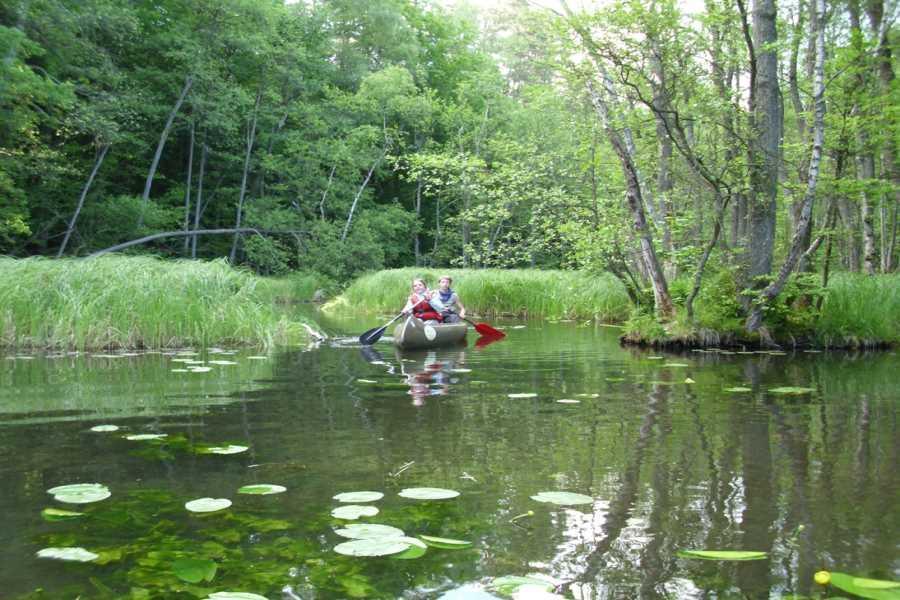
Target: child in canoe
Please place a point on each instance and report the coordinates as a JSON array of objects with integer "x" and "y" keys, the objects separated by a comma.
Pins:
[{"x": 422, "y": 303}]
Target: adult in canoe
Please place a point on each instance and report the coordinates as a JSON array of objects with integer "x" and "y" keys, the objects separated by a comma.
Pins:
[{"x": 422, "y": 303}]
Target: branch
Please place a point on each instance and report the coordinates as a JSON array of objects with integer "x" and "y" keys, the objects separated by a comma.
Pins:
[{"x": 165, "y": 234}]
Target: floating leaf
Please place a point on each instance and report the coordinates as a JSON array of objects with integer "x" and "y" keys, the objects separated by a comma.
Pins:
[
  {"x": 74, "y": 554},
  {"x": 351, "y": 512},
  {"x": 80, "y": 493},
  {"x": 446, "y": 543},
  {"x": 104, "y": 428},
  {"x": 221, "y": 362},
  {"x": 417, "y": 548},
  {"x": 509, "y": 584},
  {"x": 723, "y": 554},
  {"x": 587, "y": 395},
  {"x": 876, "y": 589},
  {"x": 676, "y": 365},
  {"x": 656, "y": 358},
  {"x": 199, "y": 369},
  {"x": 140, "y": 437},
  {"x": 523, "y": 395},
  {"x": 262, "y": 489},
  {"x": 791, "y": 390},
  {"x": 205, "y": 505},
  {"x": 366, "y": 381},
  {"x": 234, "y": 596},
  {"x": 194, "y": 570},
  {"x": 689, "y": 380},
  {"x": 568, "y": 401},
  {"x": 738, "y": 389},
  {"x": 58, "y": 514},
  {"x": 359, "y": 497},
  {"x": 229, "y": 449},
  {"x": 381, "y": 546},
  {"x": 428, "y": 493},
  {"x": 363, "y": 531},
  {"x": 562, "y": 498}
]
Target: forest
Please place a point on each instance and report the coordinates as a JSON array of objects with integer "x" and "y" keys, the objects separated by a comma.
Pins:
[{"x": 735, "y": 155}]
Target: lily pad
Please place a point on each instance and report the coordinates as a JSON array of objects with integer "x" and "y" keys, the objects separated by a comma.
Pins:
[
  {"x": 676, "y": 365},
  {"x": 194, "y": 570},
  {"x": 104, "y": 428},
  {"x": 723, "y": 554},
  {"x": 221, "y": 362},
  {"x": 739, "y": 389},
  {"x": 229, "y": 449},
  {"x": 73, "y": 554},
  {"x": 791, "y": 390},
  {"x": 428, "y": 493},
  {"x": 80, "y": 493},
  {"x": 446, "y": 543},
  {"x": 262, "y": 489},
  {"x": 359, "y": 497},
  {"x": 234, "y": 596},
  {"x": 562, "y": 498},
  {"x": 352, "y": 512},
  {"x": 877, "y": 589},
  {"x": 380, "y": 546},
  {"x": 206, "y": 505},
  {"x": 417, "y": 548},
  {"x": 58, "y": 514},
  {"x": 509, "y": 584},
  {"x": 199, "y": 369},
  {"x": 365, "y": 531},
  {"x": 523, "y": 395},
  {"x": 568, "y": 401},
  {"x": 140, "y": 437}
]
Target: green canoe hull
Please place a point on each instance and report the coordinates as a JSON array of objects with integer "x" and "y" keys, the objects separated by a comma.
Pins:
[{"x": 414, "y": 334}]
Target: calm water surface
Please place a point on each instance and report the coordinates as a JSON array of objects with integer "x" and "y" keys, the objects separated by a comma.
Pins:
[{"x": 672, "y": 460}]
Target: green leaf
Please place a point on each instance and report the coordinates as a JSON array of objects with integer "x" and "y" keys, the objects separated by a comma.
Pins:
[
  {"x": 262, "y": 489},
  {"x": 104, "y": 428},
  {"x": 791, "y": 390},
  {"x": 194, "y": 570},
  {"x": 58, "y": 514},
  {"x": 876, "y": 589},
  {"x": 509, "y": 584},
  {"x": 356, "y": 497},
  {"x": 72, "y": 554},
  {"x": 445, "y": 543},
  {"x": 205, "y": 505},
  {"x": 360, "y": 531},
  {"x": 522, "y": 395},
  {"x": 140, "y": 437},
  {"x": 723, "y": 554},
  {"x": 738, "y": 389},
  {"x": 427, "y": 493},
  {"x": 229, "y": 449},
  {"x": 80, "y": 493},
  {"x": 379, "y": 546},
  {"x": 417, "y": 549},
  {"x": 562, "y": 498},
  {"x": 353, "y": 511}
]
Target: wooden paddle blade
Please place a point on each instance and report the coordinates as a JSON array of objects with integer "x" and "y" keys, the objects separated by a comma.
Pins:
[
  {"x": 485, "y": 329},
  {"x": 372, "y": 335}
]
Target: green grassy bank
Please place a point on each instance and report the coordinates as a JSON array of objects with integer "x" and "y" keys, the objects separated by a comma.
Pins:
[
  {"x": 545, "y": 294},
  {"x": 142, "y": 302}
]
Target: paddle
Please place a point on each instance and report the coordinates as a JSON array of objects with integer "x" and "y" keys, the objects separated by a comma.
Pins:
[
  {"x": 482, "y": 328},
  {"x": 373, "y": 335}
]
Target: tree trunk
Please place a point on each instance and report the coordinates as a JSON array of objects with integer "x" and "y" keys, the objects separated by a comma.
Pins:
[
  {"x": 767, "y": 124},
  {"x": 359, "y": 193},
  {"x": 325, "y": 192},
  {"x": 664, "y": 184},
  {"x": 188, "y": 81},
  {"x": 187, "y": 190},
  {"x": 194, "y": 232},
  {"x": 251, "y": 138},
  {"x": 418, "y": 241},
  {"x": 203, "y": 154},
  {"x": 798, "y": 244},
  {"x": 101, "y": 154}
]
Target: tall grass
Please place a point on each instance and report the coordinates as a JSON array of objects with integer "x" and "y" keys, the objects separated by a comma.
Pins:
[
  {"x": 860, "y": 310},
  {"x": 547, "y": 294},
  {"x": 137, "y": 302}
]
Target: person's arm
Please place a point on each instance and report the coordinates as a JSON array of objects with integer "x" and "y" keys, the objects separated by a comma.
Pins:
[
  {"x": 409, "y": 306},
  {"x": 435, "y": 301},
  {"x": 462, "y": 309}
]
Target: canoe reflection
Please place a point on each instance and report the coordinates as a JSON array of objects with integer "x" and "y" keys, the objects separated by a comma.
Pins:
[{"x": 426, "y": 372}]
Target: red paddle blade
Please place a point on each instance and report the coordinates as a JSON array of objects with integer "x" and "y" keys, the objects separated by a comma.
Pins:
[{"x": 485, "y": 329}]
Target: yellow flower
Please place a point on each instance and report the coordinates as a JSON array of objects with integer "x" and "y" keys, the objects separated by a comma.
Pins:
[{"x": 822, "y": 577}]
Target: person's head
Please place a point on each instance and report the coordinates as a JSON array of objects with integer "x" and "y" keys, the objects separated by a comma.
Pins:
[
  {"x": 419, "y": 286},
  {"x": 444, "y": 282}
]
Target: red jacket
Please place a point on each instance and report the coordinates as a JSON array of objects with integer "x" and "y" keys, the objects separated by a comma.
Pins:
[{"x": 423, "y": 310}]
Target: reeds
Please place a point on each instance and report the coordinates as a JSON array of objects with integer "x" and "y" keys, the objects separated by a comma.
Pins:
[
  {"x": 524, "y": 293},
  {"x": 860, "y": 310},
  {"x": 137, "y": 302}
]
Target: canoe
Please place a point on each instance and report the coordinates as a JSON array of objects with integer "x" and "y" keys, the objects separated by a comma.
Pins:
[{"x": 413, "y": 333}]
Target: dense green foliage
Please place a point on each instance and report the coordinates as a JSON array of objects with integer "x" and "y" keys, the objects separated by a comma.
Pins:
[
  {"x": 344, "y": 137},
  {"x": 546, "y": 294},
  {"x": 134, "y": 302}
]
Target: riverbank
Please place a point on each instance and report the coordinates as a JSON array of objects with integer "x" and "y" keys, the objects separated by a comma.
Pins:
[
  {"x": 143, "y": 302},
  {"x": 550, "y": 294},
  {"x": 857, "y": 311}
]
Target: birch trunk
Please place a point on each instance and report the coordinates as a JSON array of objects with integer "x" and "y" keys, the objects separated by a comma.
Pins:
[
  {"x": 187, "y": 190},
  {"x": 188, "y": 81},
  {"x": 755, "y": 320},
  {"x": 203, "y": 155},
  {"x": 359, "y": 193},
  {"x": 251, "y": 138},
  {"x": 101, "y": 154}
]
